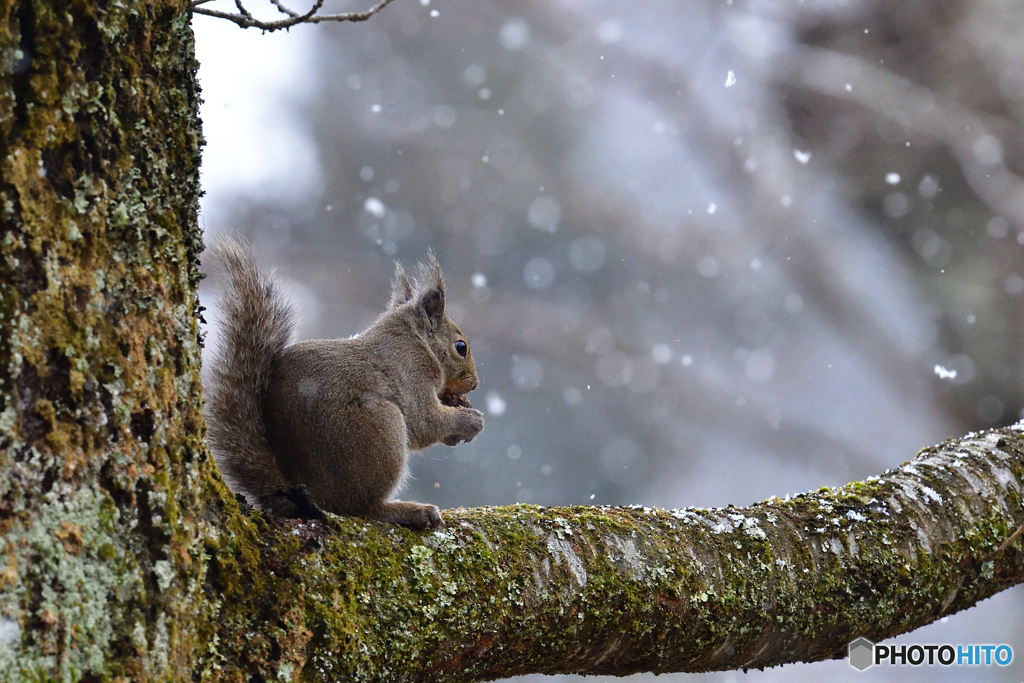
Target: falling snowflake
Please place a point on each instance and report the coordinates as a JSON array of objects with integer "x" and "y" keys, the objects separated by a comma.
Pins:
[{"x": 374, "y": 206}]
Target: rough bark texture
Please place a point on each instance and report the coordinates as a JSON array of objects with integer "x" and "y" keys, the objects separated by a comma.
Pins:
[
  {"x": 102, "y": 487},
  {"x": 122, "y": 556}
]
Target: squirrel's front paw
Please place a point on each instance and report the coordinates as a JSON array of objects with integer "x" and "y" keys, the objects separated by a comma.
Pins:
[{"x": 469, "y": 423}]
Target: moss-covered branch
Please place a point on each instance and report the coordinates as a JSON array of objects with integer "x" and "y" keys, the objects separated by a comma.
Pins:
[{"x": 521, "y": 589}]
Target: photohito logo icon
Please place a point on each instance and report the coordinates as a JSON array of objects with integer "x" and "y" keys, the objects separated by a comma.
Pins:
[{"x": 862, "y": 654}]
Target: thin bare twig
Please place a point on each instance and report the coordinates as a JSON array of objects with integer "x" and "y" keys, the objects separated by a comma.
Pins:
[
  {"x": 1013, "y": 537},
  {"x": 241, "y": 8},
  {"x": 245, "y": 19},
  {"x": 282, "y": 9}
]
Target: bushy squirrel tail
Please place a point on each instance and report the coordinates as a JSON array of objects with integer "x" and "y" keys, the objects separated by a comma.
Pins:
[{"x": 256, "y": 326}]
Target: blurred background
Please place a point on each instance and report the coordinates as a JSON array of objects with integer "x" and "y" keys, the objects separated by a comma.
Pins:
[{"x": 705, "y": 252}]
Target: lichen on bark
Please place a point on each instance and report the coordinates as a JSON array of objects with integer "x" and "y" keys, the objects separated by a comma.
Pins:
[{"x": 100, "y": 425}]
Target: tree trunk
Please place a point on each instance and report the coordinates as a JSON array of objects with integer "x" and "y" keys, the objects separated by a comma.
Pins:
[
  {"x": 106, "y": 487},
  {"x": 123, "y": 556}
]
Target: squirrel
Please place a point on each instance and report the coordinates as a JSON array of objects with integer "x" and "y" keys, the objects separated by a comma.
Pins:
[{"x": 328, "y": 424}]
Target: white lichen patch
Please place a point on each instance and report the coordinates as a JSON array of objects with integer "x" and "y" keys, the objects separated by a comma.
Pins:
[
  {"x": 443, "y": 540},
  {"x": 1004, "y": 476},
  {"x": 751, "y": 528},
  {"x": 722, "y": 526},
  {"x": 420, "y": 554},
  {"x": 979, "y": 486},
  {"x": 89, "y": 568},
  {"x": 626, "y": 555},
  {"x": 159, "y": 653},
  {"x": 685, "y": 515},
  {"x": 922, "y": 536},
  {"x": 561, "y": 548},
  {"x": 8, "y": 419},
  {"x": 563, "y": 527},
  {"x": 10, "y": 634},
  {"x": 139, "y": 639},
  {"x": 164, "y": 574}
]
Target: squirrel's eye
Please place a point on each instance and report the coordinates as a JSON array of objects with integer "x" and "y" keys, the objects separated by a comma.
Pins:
[{"x": 461, "y": 348}]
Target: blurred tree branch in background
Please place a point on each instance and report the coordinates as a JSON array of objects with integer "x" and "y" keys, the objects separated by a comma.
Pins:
[{"x": 245, "y": 19}]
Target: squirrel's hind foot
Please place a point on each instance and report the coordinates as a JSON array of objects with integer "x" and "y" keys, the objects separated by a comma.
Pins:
[
  {"x": 295, "y": 501},
  {"x": 412, "y": 515}
]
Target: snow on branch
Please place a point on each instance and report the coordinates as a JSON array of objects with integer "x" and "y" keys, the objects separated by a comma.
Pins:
[{"x": 245, "y": 19}]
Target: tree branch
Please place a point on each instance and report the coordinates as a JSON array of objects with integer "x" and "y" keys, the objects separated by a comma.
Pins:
[
  {"x": 245, "y": 19},
  {"x": 599, "y": 590}
]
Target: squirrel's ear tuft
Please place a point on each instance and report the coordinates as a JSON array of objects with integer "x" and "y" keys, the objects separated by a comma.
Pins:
[
  {"x": 428, "y": 275},
  {"x": 401, "y": 288},
  {"x": 430, "y": 288}
]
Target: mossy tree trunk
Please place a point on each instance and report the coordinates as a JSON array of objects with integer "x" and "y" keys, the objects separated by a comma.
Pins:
[
  {"x": 105, "y": 481},
  {"x": 122, "y": 556}
]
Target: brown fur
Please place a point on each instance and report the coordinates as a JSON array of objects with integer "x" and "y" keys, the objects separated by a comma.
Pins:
[{"x": 336, "y": 416}]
